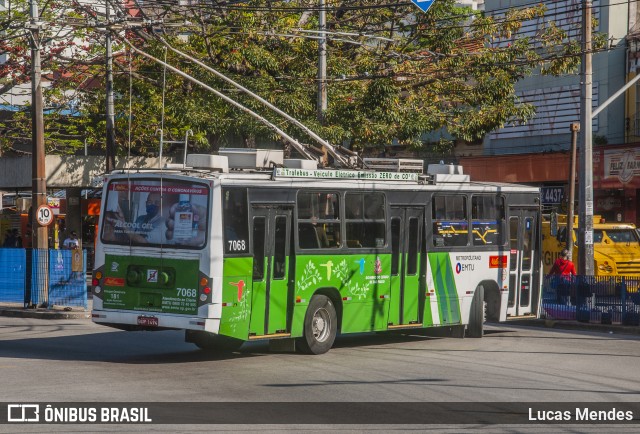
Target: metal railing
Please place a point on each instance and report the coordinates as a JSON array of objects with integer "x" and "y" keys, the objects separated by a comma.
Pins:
[
  {"x": 51, "y": 282},
  {"x": 597, "y": 299}
]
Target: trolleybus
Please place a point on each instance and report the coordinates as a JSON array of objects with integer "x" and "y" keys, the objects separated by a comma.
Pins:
[{"x": 305, "y": 254}]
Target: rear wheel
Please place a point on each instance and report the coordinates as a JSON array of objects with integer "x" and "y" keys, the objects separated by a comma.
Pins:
[
  {"x": 475, "y": 329},
  {"x": 210, "y": 342},
  {"x": 320, "y": 326}
]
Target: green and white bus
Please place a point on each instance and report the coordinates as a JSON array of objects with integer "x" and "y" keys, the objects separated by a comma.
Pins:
[{"x": 304, "y": 254}]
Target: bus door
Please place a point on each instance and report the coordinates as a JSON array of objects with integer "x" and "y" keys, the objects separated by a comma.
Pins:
[
  {"x": 523, "y": 227},
  {"x": 406, "y": 243},
  {"x": 271, "y": 229}
]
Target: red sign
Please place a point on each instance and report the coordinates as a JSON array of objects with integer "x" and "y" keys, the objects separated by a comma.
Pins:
[
  {"x": 114, "y": 281},
  {"x": 498, "y": 261}
]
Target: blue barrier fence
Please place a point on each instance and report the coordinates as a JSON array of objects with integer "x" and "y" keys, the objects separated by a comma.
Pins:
[
  {"x": 604, "y": 300},
  {"x": 51, "y": 281},
  {"x": 12, "y": 275}
]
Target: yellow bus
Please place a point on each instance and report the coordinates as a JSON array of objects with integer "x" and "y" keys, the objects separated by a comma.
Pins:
[{"x": 616, "y": 246}]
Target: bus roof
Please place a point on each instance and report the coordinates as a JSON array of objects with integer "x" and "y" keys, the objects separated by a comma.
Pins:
[{"x": 331, "y": 178}]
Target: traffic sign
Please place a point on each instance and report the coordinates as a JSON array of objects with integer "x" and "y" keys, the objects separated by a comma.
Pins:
[
  {"x": 424, "y": 5},
  {"x": 44, "y": 215}
]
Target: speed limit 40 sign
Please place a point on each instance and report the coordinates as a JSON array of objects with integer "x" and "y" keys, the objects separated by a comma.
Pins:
[{"x": 44, "y": 215}]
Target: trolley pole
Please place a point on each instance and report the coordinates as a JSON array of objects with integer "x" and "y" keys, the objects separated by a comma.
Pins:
[
  {"x": 40, "y": 239},
  {"x": 585, "y": 227}
]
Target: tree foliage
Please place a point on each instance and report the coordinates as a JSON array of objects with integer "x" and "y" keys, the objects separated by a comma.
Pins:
[{"x": 394, "y": 74}]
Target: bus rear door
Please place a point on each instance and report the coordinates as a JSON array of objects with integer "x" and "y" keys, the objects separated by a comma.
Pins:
[{"x": 523, "y": 232}]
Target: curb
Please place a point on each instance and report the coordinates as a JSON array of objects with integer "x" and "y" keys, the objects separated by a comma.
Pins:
[
  {"x": 575, "y": 325},
  {"x": 44, "y": 313}
]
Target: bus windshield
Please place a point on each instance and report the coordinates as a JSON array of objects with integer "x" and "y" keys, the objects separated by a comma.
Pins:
[
  {"x": 154, "y": 212},
  {"x": 618, "y": 235}
]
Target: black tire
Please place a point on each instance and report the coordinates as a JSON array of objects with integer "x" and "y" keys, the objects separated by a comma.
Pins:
[
  {"x": 209, "y": 342},
  {"x": 320, "y": 326},
  {"x": 475, "y": 328}
]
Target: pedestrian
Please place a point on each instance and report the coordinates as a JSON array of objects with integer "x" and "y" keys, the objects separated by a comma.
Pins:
[
  {"x": 12, "y": 239},
  {"x": 17, "y": 239},
  {"x": 71, "y": 242},
  {"x": 565, "y": 270},
  {"x": 563, "y": 266},
  {"x": 7, "y": 239}
]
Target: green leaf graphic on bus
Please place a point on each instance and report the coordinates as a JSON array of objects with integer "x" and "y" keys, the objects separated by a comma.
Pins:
[
  {"x": 342, "y": 272},
  {"x": 310, "y": 276}
]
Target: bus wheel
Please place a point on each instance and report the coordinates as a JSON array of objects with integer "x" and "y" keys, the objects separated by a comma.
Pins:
[
  {"x": 320, "y": 326},
  {"x": 475, "y": 329},
  {"x": 210, "y": 342}
]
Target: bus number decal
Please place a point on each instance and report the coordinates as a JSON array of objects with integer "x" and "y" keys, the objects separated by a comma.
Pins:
[
  {"x": 186, "y": 292},
  {"x": 237, "y": 245}
]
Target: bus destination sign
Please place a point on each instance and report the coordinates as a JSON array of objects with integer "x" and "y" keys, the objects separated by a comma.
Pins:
[{"x": 283, "y": 172}]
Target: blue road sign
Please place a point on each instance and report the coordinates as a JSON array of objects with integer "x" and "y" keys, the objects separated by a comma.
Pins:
[{"x": 424, "y": 5}]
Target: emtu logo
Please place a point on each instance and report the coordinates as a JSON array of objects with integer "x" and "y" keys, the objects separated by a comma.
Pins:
[
  {"x": 23, "y": 413},
  {"x": 463, "y": 267}
]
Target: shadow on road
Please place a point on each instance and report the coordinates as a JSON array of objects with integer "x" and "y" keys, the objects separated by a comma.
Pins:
[
  {"x": 160, "y": 347},
  {"x": 38, "y": 341}
]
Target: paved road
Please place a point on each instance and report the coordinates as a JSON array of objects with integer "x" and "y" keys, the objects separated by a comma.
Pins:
[{"x": 75, "y": 360}]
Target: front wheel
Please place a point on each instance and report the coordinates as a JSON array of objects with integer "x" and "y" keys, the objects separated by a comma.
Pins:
[
  {"x": 320, "y": 326},
  {"x": 475, "y": 328}
]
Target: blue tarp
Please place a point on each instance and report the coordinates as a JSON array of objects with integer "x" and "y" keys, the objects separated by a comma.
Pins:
[{"x": 66, "y": 287}]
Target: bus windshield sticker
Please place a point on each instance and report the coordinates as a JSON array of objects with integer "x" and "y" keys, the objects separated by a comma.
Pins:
[{"x": 154, "y": 212}]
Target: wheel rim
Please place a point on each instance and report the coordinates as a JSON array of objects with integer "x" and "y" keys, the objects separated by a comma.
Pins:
[{"x": 321, "y": 325}]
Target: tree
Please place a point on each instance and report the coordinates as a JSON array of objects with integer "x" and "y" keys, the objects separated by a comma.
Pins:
[{"x": 393, "y": 73}]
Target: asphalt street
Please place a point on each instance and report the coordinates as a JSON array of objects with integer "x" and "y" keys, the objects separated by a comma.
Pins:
[{"x": 78, "y": 361}]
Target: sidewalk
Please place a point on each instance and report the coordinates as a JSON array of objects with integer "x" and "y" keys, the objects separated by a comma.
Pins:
[
  {"x": 56, "y": 312},
  {"x": 575, "y": 325}
]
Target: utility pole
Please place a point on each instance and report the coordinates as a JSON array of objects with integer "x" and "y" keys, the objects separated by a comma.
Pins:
[
  {"x": 322, "y": 68},
  {"x": 111, "y": 140},
  {"x": 585, "y": 225},
  {"x": 575, "y": 127},
  {"x": 40, "y": 239}
]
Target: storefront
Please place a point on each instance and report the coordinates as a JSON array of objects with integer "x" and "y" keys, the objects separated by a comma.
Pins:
[{"x": 616, "y": 182}]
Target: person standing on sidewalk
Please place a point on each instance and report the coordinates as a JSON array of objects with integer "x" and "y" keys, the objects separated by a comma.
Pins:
[
  {"x": 563, "y": 266},
  {"x": 72, "y": 242},
  {"x": 565, "y": 269}
]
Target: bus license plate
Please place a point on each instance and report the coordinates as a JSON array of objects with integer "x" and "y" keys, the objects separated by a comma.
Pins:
[{"x": 149, "y": 321}]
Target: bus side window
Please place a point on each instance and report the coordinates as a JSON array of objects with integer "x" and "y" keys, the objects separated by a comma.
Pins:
[
  {"x": 235, "y": 220},
  {"x": 318, "y": 220},
  {"x": 450, "y": 221},
  {"x": 365, "y": 220},
  {"x": 487, "y": 220}
]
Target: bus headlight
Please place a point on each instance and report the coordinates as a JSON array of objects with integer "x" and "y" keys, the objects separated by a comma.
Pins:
[{"x": 605, "y": 268}]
